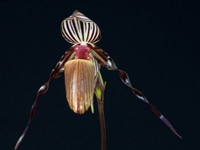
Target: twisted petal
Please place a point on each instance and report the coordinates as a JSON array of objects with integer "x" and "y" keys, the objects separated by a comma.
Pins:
[
  {"x": 43, "y": 89},
  {"x": 107, "y": 62},
  {"x": 77, "y": 28}
]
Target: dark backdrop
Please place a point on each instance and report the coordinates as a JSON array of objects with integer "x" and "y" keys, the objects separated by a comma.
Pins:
[{"x": 156, "y": 42}]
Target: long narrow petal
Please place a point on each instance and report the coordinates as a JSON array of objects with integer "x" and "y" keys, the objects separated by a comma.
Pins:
[
  {"x": 107, "y": 62},
  {"x": 43, "y": 89},
  {"x": 78, "y": 28}
]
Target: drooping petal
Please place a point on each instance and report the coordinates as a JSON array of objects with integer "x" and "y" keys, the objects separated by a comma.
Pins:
[
  {"x": 43, "y": 89},
  {"x": 107, "y": 62},
  {"x": 78, "y": 28},
  {"x": 79, "y": 83}
]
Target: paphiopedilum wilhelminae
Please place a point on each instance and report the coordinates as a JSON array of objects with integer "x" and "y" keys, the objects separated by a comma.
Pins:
[{"x": 81, "y": 66}]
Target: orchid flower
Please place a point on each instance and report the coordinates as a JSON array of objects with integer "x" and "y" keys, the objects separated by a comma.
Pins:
[{"x": 81, "y": 66}]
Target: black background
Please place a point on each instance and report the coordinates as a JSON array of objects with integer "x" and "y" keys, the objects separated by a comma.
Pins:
[{"x": 156, "y": 42}]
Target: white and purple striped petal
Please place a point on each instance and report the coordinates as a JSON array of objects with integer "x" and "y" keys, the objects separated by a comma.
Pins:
[{"x": 77, "y": 28}]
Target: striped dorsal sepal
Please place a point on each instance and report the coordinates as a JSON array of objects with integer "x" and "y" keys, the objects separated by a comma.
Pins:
[{"x": 77, "y": 28}]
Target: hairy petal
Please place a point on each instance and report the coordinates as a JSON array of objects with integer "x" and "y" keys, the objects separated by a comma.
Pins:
[
  {"x": 43, "y": 89},
  {"x": 106, "y": 61}
]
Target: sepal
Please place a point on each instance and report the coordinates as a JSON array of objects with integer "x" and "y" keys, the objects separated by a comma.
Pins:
[{"x": 78, "y": 28}]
